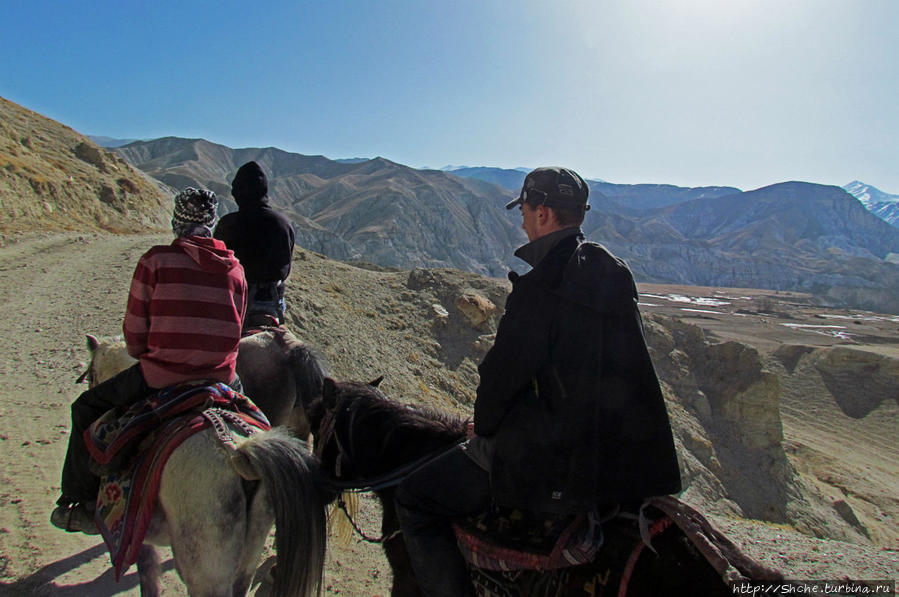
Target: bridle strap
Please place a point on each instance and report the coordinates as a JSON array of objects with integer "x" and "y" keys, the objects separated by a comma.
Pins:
[
  {"x": 382, "y": 539},
  {"x": 328, "y": 432},
  {"x": 388, "y": 479}
]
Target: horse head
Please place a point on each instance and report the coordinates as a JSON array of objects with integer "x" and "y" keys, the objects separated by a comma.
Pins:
[
  {"x": 332, "y": 418},
  {"x": 365, "y": 439},
  {"x": 108, "y": 358}
]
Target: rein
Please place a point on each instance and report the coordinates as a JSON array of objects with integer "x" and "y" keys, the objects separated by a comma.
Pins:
[
  {"x": 328, "y": 431},
  {"x": 382, "y": 539},
  {"x": 392, "y": 478}
]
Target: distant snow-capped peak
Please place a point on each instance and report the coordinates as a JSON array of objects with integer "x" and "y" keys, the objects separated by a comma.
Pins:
[{"x": 869, "y": 195}]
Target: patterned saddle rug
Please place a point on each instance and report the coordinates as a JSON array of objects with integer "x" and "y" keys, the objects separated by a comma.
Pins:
[
  {"x": 511, "y": 539},
  {"x": 255, "y": 323},
  {"x": 131, "y": 449},
  {"x": 666, "y": 543}
]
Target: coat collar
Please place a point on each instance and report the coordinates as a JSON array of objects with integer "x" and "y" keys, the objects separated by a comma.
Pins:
[{"x": 534, "y": 252}]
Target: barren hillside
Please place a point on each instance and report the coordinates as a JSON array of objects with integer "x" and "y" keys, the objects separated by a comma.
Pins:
[
  {"x": 774, "y": 421},
  {"x": 52, "y": 178}
]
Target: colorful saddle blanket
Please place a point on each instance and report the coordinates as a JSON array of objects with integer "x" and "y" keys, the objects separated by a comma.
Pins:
[
  {"x": 689, "y": 556},
  {"x": 255, "y": 323},
  {"x": 510, "y": 539},
  {"x": 138, "y": 444}
]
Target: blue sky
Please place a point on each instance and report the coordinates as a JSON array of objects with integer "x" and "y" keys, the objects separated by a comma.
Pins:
[{"x": 689, "y": 92}]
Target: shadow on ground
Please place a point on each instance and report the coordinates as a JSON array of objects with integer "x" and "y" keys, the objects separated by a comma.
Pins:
[{"x": 43, "y": 582}]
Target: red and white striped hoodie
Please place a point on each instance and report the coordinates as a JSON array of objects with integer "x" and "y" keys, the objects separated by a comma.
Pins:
[{"x": 185, "y": 311}]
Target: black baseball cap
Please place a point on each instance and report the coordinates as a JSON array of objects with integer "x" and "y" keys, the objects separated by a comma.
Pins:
[{"x": 553, "y": 186}]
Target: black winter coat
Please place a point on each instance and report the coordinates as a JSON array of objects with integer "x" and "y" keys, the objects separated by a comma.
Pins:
[
  {"x": 261, "y": 238},
  {"x": 568, "y": 393}
]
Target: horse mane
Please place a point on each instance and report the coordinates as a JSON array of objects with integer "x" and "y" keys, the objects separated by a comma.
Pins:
[
  {"x": 397, "y": 418},
  {"x": 383, "y": 434},
  {"x": 308, "y": 365}
]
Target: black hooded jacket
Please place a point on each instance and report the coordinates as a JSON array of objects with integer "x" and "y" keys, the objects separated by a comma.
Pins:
[
  {"x": 262, "y": 239},
  {"x": 568, "y": 393}
]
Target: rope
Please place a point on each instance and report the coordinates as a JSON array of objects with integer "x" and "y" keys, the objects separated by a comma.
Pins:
[{"x": 382, "y": 539}]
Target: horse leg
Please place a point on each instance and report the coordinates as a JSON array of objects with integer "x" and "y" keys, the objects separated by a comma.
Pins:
[
  {"x": 259, "y": 523},
  {"x": 404, "y": 582},
  {"x": 148, "y": 570},
  {"x": 204, "y": 505}
]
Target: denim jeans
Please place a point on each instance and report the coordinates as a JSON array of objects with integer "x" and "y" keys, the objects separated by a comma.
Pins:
[{"x": 427, "y": 502}]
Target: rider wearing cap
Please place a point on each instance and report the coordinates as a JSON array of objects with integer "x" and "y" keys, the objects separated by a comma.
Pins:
[
  {"x": 182, "y": 323},
  {"x": 569, "y": 415}
]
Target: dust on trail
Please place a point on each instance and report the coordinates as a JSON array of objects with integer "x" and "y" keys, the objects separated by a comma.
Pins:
[{"x": 53, "y": 290}]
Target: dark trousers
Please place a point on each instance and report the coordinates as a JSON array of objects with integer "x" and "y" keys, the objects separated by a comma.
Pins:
[
  {"x": 79, "y": 484},
  {"x": 427, "y": 502}
]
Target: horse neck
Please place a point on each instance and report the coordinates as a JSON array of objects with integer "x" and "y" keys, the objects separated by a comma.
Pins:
[{"x": 391, "y": 440}]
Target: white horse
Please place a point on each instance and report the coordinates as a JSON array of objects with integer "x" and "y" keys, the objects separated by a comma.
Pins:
[
  {"x": 281, "y": 374},
  {"x": 216, "y": 507}
]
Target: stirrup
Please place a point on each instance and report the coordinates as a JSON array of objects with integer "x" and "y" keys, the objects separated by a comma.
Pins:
[{"x": 74, "y": 518}]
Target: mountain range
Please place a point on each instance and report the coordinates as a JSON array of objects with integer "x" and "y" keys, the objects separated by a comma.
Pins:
[
  {"x": 789, "y": 236},
  {"x": 372, "y": 210}
]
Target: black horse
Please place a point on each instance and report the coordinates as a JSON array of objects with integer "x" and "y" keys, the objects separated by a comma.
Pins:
[{"x": 367, "y": 441}]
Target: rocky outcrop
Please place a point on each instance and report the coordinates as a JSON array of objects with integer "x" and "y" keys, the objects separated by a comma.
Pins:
[
  {"x": 731, "y": 420},
  {"x": 859, "y": 380},
  {"x": 467, "y": 312},
  {"x": 475, "y": 308}
]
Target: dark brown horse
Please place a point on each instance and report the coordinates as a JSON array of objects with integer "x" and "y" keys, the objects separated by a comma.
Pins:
[{"x": 367, "y": 441}]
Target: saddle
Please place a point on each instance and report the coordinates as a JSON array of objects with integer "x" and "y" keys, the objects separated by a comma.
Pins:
[
  {"x": 504, "y": 538},
  {"x": 255, "y": 323},
  {"x": 116, "y": 437},
  {"x": 129, "y": 450},
  {"x": 543, "y": 563}
]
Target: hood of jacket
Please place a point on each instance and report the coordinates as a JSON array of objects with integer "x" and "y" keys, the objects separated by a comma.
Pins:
[
  {"x": 245, "y": 203},
  {"x": 210, "y": 253},
  {"x": 587, "y": 274}
]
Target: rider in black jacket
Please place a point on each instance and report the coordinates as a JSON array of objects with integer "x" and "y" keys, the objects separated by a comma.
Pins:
[
  {"x": 262, "y": 239},
  {"x": 569, "y": 414}
]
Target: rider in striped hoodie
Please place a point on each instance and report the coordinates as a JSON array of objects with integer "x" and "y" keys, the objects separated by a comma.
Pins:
[{"x": 183, "y": 320}]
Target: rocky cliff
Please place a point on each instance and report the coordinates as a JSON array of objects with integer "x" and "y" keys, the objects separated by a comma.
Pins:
[{"x": 729, "y": 403}]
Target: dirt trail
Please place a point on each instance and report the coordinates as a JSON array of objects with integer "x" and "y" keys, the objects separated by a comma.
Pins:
[{"x": 53, "y": 290}]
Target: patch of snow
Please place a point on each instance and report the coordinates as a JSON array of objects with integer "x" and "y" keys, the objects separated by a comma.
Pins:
[{"x": 835, "y": 331}]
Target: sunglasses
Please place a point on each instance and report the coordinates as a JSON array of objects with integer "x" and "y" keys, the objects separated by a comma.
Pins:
[{"x": 530, "y": 196}]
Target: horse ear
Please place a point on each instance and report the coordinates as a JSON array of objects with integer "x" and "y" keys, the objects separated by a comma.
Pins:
[
  {"x": 92, "y": 343},
  {"x": 376, "y": 382}
]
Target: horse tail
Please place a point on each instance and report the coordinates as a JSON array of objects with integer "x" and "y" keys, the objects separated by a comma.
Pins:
[{"x": 289, "y": 475}]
